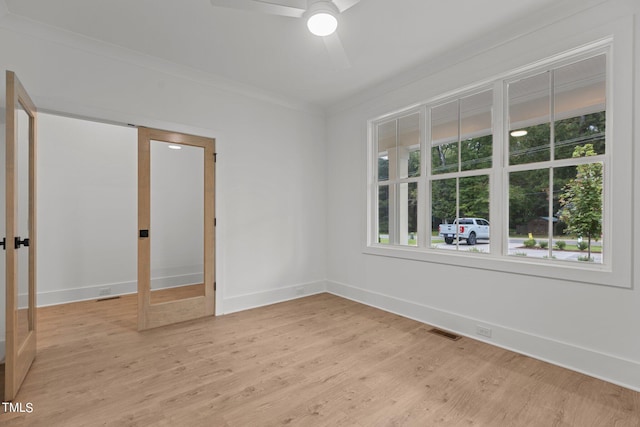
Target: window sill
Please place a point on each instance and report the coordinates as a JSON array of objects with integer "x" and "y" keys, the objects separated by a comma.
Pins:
[{"x": 597, "y": 274}]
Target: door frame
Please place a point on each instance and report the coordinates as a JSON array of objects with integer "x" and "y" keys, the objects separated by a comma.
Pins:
[
  {"x": 19, "y": 355},
  {"x": 152, "y": 315}
]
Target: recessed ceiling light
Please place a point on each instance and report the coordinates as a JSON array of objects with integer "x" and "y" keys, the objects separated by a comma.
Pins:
[
  {"x": 175, "y": 147},
  {"x": 517, "y": 133}
]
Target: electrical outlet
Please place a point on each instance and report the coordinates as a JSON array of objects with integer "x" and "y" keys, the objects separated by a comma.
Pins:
[
  {"x": 485, "y": 332},
  {"x": 104, "y": 291}
]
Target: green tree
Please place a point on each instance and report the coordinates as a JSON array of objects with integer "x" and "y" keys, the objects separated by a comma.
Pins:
[
  {"x": 383, "y": 209},
  {"x": 474, "y": 196},
  {"x": 443, "y": 199},
  {"x": 581, "y": 200},
  {"x": 528, "y": 196}
]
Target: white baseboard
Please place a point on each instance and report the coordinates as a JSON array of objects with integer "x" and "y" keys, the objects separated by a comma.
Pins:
[
  {"x": 259, "y": 299},
  {"x": 610, "y": 368},
  {"x": 64, "y": 296}
]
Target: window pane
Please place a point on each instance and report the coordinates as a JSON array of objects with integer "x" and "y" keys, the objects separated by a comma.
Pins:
[
  {"x": 577, "y": 131},
  {"x": 579, "y": 205},
  {"x": 476, "y": 138},
  {"x": 474, "y": 203},
  {"x": 386, "y": 147},
  {"x": 443, "y": 209},
  {"x": 528, "y": 210},
  {"x": 409, "y": 146},
  {"x": 383, "y": 167},
  {"x": 383, "y": 214},
  {"x": 414, "y": 162},
  {"x": 408, "y": 196},
  {"x": 580, "y": 105},
  {"x": 529, "y": 120},
  {"x": 444, "y": 138},
  {"x": 561, "y": 177}
]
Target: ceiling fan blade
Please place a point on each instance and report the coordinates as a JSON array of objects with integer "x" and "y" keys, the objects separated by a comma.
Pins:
[
  {"x": 343, "y": 5},
  {"x": 292, "y": 8},
  {"x": 336, "y": 52}
]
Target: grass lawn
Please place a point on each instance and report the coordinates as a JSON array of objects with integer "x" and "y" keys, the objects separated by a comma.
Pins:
[{"x": 574, "y": 248}]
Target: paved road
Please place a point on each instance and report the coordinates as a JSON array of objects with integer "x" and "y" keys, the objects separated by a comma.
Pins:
[{"x": 516, "y": 246}]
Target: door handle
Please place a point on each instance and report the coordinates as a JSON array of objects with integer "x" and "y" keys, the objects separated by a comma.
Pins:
[{"x": 19, "y": 242}]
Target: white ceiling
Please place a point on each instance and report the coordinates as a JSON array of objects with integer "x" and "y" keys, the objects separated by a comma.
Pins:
[{"x": 382, "y": 38}]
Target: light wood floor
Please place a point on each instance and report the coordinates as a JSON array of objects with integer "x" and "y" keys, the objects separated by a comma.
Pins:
[{"x": 316, "y": 361}]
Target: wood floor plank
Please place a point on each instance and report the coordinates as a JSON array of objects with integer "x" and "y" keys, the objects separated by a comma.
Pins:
[{"x": 315, "y": 361}]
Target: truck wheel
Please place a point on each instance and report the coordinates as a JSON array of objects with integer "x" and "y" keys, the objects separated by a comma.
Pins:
[
  {"x": 448, "y": 240},
  {"x": 471, "y": 240}
]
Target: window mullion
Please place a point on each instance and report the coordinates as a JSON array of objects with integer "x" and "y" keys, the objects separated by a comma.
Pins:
[
  {"x": 458, "y": 177},
  {"x": 552, "y": 116},
  {"x": 498, "y": 191},
  {"x": 551, "y": 215},
  {"x": 424, "y": 193}
]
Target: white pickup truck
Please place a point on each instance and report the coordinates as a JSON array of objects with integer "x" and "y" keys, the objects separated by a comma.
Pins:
[{"x": 469, "y": 229}]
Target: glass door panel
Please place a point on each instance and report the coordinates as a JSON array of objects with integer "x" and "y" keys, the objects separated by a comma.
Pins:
[
  {"x": 24, "y": 325},
  {"x": 177, "y": 221},
  {"x": 176, "y": 227}
]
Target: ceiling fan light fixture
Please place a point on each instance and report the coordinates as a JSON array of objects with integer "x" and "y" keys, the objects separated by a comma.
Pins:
[
  {"x": 322, "y": 18},
  {"x": 322, "y": 24}
]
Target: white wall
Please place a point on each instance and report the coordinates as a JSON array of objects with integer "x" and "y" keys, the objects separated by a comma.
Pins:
[
  {"x": 590, "y": 328},
  {"x": 270, "y": 183}
]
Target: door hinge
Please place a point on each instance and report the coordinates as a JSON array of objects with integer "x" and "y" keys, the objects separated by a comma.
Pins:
[
  {"x": 215, "y": 222},
  {"x": 3, "y": 243},
  {"x": 215, "y": 286},
  {"x": 215, "y": 157}
]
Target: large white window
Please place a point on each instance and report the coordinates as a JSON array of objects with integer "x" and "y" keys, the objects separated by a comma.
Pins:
[{"x": 529, "y": 148}]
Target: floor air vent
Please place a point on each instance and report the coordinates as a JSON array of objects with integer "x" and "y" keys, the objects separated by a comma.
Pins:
[
  {"x": 107, "y": 298},
  {"x": 448, "y": 335}
]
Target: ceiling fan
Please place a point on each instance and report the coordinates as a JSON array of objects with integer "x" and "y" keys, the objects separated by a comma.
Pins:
[{"x": 321, "y": 16}]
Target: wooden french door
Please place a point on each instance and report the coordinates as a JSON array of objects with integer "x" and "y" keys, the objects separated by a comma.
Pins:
[
  {"x": 20, "y": 240},
  {"x": 176, "y": 233}
]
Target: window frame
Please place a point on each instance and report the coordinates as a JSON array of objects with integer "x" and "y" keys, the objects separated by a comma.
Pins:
[{"x": 608, "y": 273}]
